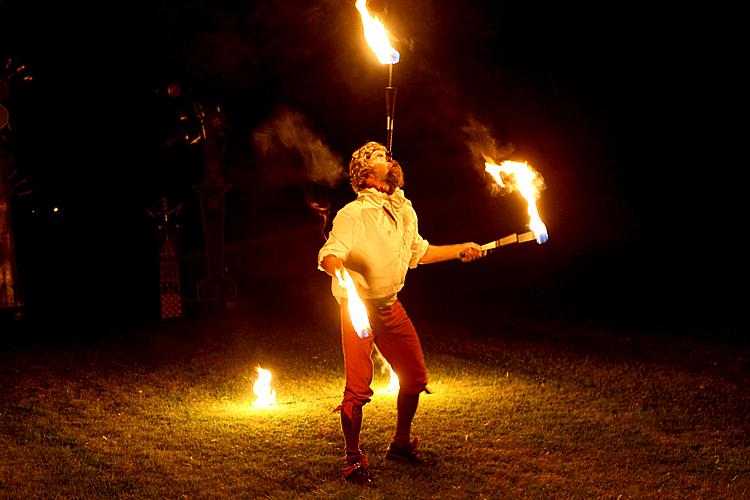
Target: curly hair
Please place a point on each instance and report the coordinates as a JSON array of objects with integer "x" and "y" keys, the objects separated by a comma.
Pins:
[{"x": 358, "y": 165}]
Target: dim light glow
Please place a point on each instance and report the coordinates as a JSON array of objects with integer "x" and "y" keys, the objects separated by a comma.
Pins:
[
  {"x": 527, "y": 181},
  {"x": 357, "y": 310},
  {"x": 377, "y": 36},
  {"x": 265, "y": 396}
]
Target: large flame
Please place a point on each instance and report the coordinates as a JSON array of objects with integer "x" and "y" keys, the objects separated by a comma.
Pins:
[
  {"x": 377, "y": 36},
  {"x": 265, "y": 396},
  {"x": 520, "y": 176},
  {"x": 357, "y": 310}
]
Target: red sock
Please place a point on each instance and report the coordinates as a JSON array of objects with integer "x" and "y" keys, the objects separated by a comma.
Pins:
[
  {"x": 406, "y": 406},
  {"x": 351, "y": 428}
]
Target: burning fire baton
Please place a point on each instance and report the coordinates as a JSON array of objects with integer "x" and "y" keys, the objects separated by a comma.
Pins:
[
  {"x": 378, "y": 39},
  {"x": 357, "y": 310},
  {"x": 509, "y": 240},
  {"x": 512, "y": 176}
]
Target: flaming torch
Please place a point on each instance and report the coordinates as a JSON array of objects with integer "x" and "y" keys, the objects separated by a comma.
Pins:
[
  {"x": 265, "y": 396},
  {"x": 378, "y": 39},
  {"x": 357, "y": 310},
  {"x": 514, "y": 175}
]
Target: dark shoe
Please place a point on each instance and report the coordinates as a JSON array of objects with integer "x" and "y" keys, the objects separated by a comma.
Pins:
[
  {"x": 358, "y": 473},
  {"x": 408, "y": 454}
]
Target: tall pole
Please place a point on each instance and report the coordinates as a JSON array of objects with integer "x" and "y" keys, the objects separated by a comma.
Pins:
[
  {"x": 216, "y": 286},
  {"x": 9, "y": 298},
  {"x": 9, "y": 288}
]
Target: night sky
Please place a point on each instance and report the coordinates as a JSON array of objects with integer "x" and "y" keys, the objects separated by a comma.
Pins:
[{"x": 635, "y": 116}]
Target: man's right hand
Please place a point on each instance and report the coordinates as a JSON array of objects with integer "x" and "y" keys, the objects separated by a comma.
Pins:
[{"x": 330, "y": 263}]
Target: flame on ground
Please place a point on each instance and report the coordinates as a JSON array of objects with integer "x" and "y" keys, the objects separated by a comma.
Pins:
[
  {"x": 377, "y": 36},
  {"x": 520, "y": 176},
  {"x": 357, "y": 310},
  {"x": 265, "y": 397}
]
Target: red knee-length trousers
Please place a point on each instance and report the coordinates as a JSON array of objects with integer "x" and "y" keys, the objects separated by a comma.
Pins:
[{"x": 397, "y": 340}]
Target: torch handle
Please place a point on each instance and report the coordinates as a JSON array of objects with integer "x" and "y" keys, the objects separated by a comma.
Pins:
[
  {"x": 390, "y": 108},
  {"x": 509, "y": 240}
]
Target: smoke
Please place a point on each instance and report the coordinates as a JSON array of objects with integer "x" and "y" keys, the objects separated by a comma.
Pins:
[
  {"x": 292, "y": 153},
  {"x": 483, "y": 146}
]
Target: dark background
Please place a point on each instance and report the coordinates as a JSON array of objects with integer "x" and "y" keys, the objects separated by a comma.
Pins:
[{"x": 635, "y": 115}]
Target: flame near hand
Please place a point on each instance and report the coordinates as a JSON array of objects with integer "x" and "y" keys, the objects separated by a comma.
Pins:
[{"x": 357, "y": 310}]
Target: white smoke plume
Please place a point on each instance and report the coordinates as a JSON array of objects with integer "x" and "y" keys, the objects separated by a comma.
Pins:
[
  {"x": 484, "y": 147},
  {"x": 293, "y": 153}
]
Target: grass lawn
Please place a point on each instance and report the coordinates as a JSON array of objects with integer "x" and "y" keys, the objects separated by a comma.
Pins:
[{"x": 522, "y": 407}]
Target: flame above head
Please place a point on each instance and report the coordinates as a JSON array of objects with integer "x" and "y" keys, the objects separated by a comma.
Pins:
[
  {"x": 520, "y": 176},
  {"x": 377, "y": 36},
  {"x": 357, "y": 310},
  {"x": 265, "y": 396}
]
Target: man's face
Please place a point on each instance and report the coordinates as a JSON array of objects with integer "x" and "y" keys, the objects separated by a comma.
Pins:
[{"x": 385, "y": 173}]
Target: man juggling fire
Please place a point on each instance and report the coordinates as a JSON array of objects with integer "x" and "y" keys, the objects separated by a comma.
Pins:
[{"x": 374, "y": 241}]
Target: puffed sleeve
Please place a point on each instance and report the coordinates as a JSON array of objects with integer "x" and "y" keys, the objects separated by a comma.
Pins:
[
  {"x": 340, "y": 240},
  {"x": 419, "y": 245}
]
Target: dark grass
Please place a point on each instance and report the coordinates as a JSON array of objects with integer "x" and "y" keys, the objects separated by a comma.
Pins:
[
  {"x": 534, "y": 396},
  {"x": 522, "y": 407}
]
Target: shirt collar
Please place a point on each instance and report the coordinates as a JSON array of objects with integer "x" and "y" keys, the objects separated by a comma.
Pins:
[{"x": 394, "y": 201}]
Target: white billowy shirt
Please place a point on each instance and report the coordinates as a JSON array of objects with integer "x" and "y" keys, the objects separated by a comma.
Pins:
[{"x": 377, "y": 238}]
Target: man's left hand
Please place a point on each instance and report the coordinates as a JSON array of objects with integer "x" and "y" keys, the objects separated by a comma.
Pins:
[{"x": 470, "y": 251}]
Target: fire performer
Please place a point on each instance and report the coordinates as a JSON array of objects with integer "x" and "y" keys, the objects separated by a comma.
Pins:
[{"x": 376, "y": 238}]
